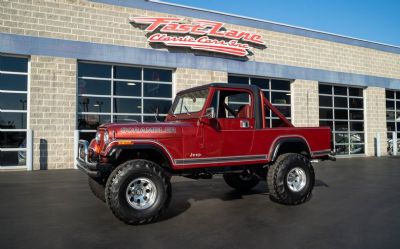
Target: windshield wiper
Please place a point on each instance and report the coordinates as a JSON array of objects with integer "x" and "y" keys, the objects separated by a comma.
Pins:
[{"x": 187, "y": 110}]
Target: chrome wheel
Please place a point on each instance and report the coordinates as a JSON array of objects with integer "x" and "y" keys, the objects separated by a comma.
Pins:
[
  {"x": 141, "y": 193},
  {"x": 296, "y": 179}
]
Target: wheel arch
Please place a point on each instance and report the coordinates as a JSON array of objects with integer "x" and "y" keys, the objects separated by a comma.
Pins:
[
  {"x": 147, "y": 151},
  {"x": 295, "y": 144}
]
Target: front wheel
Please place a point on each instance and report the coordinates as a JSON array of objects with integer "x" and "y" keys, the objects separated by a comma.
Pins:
[
  {"x": 138, "y": 192},
  {"x": 291, "y": 179}
]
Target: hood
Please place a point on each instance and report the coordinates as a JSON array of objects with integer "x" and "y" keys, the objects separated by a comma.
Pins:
[{"x": 146, "y": 130}]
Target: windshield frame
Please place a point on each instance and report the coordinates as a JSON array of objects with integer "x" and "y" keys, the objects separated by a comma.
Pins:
[{"x": 188, "y": 115}]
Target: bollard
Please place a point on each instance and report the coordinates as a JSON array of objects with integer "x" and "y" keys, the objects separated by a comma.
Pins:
[
  {"x": 29, "y": 150},
  {"x": 76, "y": 142},
  {"x": 378, "y": 145},
  {"x": 394, "y": 143}
]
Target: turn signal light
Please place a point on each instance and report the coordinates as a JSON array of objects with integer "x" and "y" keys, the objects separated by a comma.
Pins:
[{"x": 125, "y": 142}]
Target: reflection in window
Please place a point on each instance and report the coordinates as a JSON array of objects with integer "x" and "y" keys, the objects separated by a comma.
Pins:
[
  {"x": 13, "y": 110},
  {"x": 393, "y": 118},
  {"x": 341, "y": 108},
  {"x": 116, "y": 93}
]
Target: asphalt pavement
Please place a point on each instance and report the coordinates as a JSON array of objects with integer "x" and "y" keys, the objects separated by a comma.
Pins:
[{"x": 355, "y": 204}]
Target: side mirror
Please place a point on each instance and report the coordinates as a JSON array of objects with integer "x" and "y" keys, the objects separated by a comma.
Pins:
[{"x": 210, "y": 112}]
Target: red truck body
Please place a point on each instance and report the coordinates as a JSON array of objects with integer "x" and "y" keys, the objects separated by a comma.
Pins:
[
  {"x": 194, "y": 141},
  {"x": 212, "y": 129}
]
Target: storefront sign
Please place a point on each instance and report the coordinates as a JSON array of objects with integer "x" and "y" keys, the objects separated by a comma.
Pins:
[{"x": 200, "y": 35}]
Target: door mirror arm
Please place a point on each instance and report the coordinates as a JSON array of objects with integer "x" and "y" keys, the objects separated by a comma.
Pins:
[{"x": 210, "y": 114}]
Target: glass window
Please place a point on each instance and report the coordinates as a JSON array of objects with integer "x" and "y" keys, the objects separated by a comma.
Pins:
[
  {"x": 92, "y": 121},
  {"x": 325, "y": 101},
  {"x": 238, "y": 80},
  {"x": 13, "y": 82},
  {"x": 345, "y": 116},
  {"x": 94, "y": 70},
  {"x": 95, "y": 87},
  {"x": 13, "y": 101},
  {"x": 190, "y": 102},
  {"x": 325, "y": 89},
  {"x": 120, "y": 94},
  {"x": 94, "y": 104},
  {"x": 260, "y": 82},
  {"x": 280, "y": 85},
  {"x": 129, "y": 73},
  {"x": 122, "y": 105},
  {"x": 275, "y": 90},
  {"x": 157, "y": 90},
  {"x": 325, "y": 113},
  {"x": 13, "y": 110},
  {"x": 127, "y": 88},
  {"x": 392, "y": 116},
  {"x": 13, "y": 64},
  {"x": 151, "y": 74},
  {"x": 340, "y": 90}
]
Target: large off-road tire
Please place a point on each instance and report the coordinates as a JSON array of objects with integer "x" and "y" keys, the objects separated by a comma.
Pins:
[
  {"x": 97, "y": 188},
  {"x": 138, "y": 192},
  {"x": 241, "y": 181},
  {"x": 291, "y": 179}
]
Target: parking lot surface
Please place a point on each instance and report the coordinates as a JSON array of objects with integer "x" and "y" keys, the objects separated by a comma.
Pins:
[{"x": 355, "y": 204}]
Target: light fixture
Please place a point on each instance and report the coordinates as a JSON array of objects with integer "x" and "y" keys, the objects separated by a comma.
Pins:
[
  {"x": 288, "y": 94},
  {"x": 131, "y": 84},
  {"x": 96, "y": 105}
]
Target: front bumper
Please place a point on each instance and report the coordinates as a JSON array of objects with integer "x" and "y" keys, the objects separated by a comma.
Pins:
[{"x": 92, "y": 169}]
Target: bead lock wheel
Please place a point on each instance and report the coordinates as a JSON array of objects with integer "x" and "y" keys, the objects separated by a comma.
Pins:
[
  {"x": 141, "y": 193},
  {"x": 296, "y": 179}
]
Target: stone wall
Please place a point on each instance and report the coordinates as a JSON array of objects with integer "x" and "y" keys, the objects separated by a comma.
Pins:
[
  {"x": 375, "y": 119},
  {"x": 82, "y": 20},
  {"x": 304, "y": 97},
  {"x": 52, "y": 111},
  {"x": 186, "y": 78}
]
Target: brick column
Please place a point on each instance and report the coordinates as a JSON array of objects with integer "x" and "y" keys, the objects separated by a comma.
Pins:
[
  {"x": 305, "y": 104},
  {"x": 375, "y": 119},
  {"x": 52, "y": 111},
  {"x": 186, "y": 78}
]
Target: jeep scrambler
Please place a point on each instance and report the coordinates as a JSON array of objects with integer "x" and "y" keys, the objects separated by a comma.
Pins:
[{"x": 212, "y": 129}]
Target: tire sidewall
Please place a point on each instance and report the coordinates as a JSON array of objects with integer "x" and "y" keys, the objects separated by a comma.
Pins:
[
  {"x": 120, "y": 183},
  {"x": 297, "y": 162}
]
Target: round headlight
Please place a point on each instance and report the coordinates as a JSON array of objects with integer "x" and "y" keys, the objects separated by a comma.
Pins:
[
  {"x": 97, "y": 138},
  {"x": 106, "y": 137}
]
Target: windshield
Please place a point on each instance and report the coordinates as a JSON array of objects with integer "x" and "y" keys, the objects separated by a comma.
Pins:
[{"x": 191, "y": 102}]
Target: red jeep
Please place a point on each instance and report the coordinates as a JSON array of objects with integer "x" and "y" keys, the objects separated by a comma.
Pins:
[{"x": 211, "y": 129}]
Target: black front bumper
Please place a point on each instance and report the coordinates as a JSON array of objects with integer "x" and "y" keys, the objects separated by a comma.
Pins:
[{"x": 92, "y": 169}]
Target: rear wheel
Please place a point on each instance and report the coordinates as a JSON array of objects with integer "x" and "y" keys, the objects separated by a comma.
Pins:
[
  {"x": 291, "y": 179},
  {"x": 138, "y": 192},
  {"x": 241, "y": 181}
]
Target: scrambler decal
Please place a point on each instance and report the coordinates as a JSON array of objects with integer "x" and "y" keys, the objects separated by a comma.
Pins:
[{"x": 127, "y": 130}]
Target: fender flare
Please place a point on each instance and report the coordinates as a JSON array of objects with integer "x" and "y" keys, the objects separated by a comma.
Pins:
[
  {"x": 143, "y": 145},
  {"x": 277, "y": 144}
]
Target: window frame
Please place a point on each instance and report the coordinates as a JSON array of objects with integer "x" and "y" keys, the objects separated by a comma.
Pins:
[
  {"x": 112, "y": 80},
  {"x": 348, "y": 120},
  {"x": 26, "y": 112}
]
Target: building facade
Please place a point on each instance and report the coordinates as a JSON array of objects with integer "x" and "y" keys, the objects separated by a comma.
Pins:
[{"x": 67, "y": 66}]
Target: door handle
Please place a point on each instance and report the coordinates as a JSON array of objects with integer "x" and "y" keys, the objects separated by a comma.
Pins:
[{"x": 244, "y": 123}]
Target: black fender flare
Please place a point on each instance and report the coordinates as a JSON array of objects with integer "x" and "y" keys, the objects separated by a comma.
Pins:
[{"x": 277, "y": 144}]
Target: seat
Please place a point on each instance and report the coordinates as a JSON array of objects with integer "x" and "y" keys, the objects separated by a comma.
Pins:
[{"x": 243, "y": 111}]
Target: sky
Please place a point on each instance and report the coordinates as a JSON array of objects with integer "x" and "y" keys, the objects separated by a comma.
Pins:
[{"x": 377, "y": 21}]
